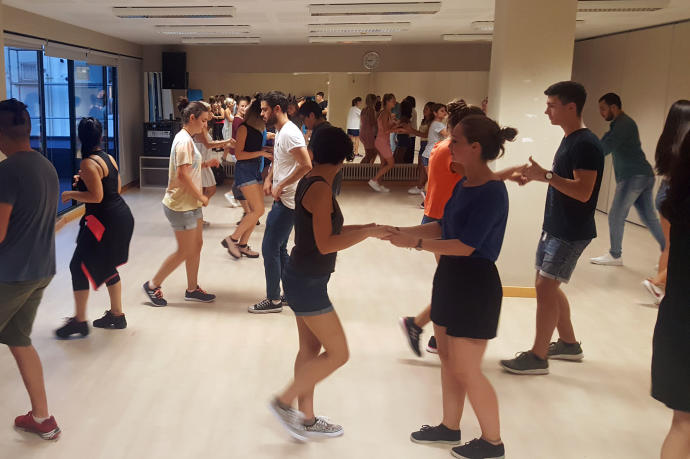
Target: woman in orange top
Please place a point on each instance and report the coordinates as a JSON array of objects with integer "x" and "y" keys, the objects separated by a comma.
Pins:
[{"x": 443, "y": 176}]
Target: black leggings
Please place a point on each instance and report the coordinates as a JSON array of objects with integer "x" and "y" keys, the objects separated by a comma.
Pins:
[{"x": 79, "y": 279}]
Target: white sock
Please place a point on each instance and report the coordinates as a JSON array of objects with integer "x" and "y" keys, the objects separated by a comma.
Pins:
[
  {"x": 276, "y": 302},
  {"x": 39, "y": 420}
]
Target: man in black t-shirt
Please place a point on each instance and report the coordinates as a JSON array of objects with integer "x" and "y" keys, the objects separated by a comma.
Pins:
[
  {"x": 322, "y": 103},
  {"x": 568, "y": 228}
]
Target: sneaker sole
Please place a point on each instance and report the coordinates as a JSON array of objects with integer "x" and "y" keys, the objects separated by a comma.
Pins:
[
  {"x": 538, "y": 371},
  {"x": 403, "y": 327},
  {"x": 460, "y": 456},
  {"x": 432, "y": 442},
  {"x": 53, "y": 435},
  {"x": 569, "y": 357},
  {"x": 431, "y": 350},
  {"x": 324, "y": 434},
  {"x": 296, "y": 435},
  {"x": 199, "y": 301},
  {"x": 605, "y": 263},
  {"x": 110, "y": 327},
  {"x": 651, "y": 288},
  {"x": 264, "y": 311},
  {"x": 253, "y": 257}
]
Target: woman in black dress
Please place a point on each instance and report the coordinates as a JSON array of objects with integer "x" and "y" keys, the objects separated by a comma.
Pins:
[
  {"x": 104, "y": 235},
  {"x": 671, "y": 345}
]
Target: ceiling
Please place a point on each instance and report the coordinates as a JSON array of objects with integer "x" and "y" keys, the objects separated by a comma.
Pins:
[{"x": 278, "y": 22}]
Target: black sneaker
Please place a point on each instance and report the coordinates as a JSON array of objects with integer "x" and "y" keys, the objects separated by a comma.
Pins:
[
  {"x": 479, "y": 449},
  {"x": 526, "y": 363},
  {"x": 431, "y": 347},
  {"x": 436, "y": 434},
  {"x": 411, "y": 332},
  {"x": 110, "y": 321},
  {"x": 284, "y": 301},
  {"x": 566, "y": 351},
  {"x": 199, "y": 295},
  {"x": 266, "y": 306},
  {"x": 73, "y": 327},
  {"x": 155, "y": 295}
]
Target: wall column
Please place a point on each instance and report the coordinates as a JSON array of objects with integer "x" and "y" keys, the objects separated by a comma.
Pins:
[{"x": 532, "y": 48}]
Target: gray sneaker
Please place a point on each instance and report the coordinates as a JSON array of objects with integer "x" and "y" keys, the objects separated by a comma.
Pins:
[
  {"x": 566, "y": 351},
  {"x": 526, "y": 363},
  {"x": 323, "y": 428},
  {"x": 291, "y": 419}
]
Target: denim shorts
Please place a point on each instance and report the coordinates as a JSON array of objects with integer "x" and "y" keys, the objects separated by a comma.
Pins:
[
  {"x": 306, "y": 295},
  {"x": 353, "y": 132},
  {"x": 248, "y": 172},
  {"x": 557, "y": 258},
  {"x": 661, "y": 194},
  {"x": 185, "y": 220},
  {"x": 425, "y": 161}
]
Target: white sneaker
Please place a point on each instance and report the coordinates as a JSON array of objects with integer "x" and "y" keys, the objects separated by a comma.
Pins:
[
  {"x": 375, "y": 185},
  {"x": 384, "y": 189},
  {"x": 656, "y": 292},
  {"x": 231, "y": 199},
  {"x": 291, "y": 419},
  {"x": 415, "y": 190},
  {"x": 607, "y": 260}
]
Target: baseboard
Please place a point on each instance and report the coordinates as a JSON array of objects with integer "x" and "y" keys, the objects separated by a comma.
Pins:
[{"x": 520, "y": 292}]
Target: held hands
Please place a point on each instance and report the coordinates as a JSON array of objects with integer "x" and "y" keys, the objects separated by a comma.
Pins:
[
  {"x": 534, "y": 171},
  {"x": 67, "y": 195},
  {"x": 399, "y": 238},
  {"x": 213, "y": 162}
]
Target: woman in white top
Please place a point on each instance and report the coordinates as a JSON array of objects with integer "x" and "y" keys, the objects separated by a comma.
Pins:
[
  {"x": 353, "y": 119},
  {"x": 182, "y": 204},
  {"x": 229, "y": 112},
  {"x": 437, "y": 132}
]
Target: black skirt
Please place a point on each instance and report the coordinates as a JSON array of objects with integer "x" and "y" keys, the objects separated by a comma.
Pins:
[{"x": 466, "y": 297}]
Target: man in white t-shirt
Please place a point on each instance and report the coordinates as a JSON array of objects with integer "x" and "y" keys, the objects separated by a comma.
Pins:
[{"x": 290, "y": 163}]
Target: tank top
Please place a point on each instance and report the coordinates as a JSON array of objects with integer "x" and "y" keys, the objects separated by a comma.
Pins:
[
  {"x": 111, "y": 198},
  {"x": 305, "y": 256},
  {"x": 254, "y": 140}
]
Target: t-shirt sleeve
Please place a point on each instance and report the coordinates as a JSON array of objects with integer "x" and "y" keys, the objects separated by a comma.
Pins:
[
  {"x": 8, "y": 187},
  {"x": 438, "y": 127},
  {"x": 294, "y": 139},
  {"x": 587, "y": 156},
  {"x": 184, "y": 153},
  {"x": 486, "y": 213}
]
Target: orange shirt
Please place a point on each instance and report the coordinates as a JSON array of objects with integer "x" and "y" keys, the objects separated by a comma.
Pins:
[{"x": 442, "y": 180}]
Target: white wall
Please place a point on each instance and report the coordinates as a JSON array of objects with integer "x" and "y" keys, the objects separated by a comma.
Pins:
[
  {"x": 649, "y": 69},
  {"x": 130, "y": 101}
]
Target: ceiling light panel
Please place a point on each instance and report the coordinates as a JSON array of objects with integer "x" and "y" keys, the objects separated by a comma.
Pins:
[
  {"x": 378, "y": 28},
  {"x": 220, "y": 40},
  {"x": 374, "y": 9},
  {"x": 351, "y": 39},
  {"x": 151, "y": 12},
  {"x": 183, "y": 30},
  {"x": 483, "y": 26},
  {"x": 467, "y": 37}
]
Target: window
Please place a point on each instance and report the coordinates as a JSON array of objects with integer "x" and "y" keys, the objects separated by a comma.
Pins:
[{"x": 58, "y": 92}]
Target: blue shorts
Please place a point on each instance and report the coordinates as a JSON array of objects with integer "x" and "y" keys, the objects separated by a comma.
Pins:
[
  {"x": 185, "y": 220},
  {"x": 557, "y": 258},
  {"x": 248, "y": 172},
  {"x": 426, "y": 219},
  {"x": 306, "y": 295},
  {"x": 425, "y": 161},
  {"x": 353, "y": 132},
  {"x": 661, "y": 194}
]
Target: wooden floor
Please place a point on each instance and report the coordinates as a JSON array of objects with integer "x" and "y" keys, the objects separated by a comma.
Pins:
[{"x": 193, "y": 380}]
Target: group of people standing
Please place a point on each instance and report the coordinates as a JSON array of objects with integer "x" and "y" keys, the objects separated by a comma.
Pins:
[{"x": 466, "y": 214}]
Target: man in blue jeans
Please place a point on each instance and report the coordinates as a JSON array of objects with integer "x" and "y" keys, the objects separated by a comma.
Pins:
[
  {"x": 634, "y": 179},
  {"x": 290, "y": 163}
]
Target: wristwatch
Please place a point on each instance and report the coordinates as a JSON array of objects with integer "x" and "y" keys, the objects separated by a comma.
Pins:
[
  {"x": 548, "y": 175},
  {"x": 419, "y": 244}
]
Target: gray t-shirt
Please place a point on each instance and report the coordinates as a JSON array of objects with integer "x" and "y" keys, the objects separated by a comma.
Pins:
[{"x": 29, "y": 183}]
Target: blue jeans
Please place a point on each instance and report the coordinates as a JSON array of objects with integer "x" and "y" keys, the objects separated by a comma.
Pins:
[
  {"x": 279, "y": 223},
  {"x": 637, "y": 191}
]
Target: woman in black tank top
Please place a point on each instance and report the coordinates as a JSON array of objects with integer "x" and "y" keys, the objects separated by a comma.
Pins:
[
  {"x": 250, "y": 154},
  {"x": 104, "y": 235},
  {"x": 319, "y": 235}
]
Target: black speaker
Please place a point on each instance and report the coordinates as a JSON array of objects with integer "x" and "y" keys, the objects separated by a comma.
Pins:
[{"x": 174, "y": 70}]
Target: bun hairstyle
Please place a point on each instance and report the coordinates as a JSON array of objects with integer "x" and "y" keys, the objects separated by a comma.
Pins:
[
  {"x": 90, "y": 132},
  {"x": 486, "y": 132},
  {"x": 187, "y": 109}
]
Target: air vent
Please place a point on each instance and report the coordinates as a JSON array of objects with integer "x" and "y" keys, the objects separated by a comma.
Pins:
[
  {"x": 376, "y": 28},
  {"x": 620, "y": 6},
  {"x": 350, "y": 39},
  {"x": 374, "y": 9},
  {"x": 194, "y": 30},
  {"x": 467, "y": 37},
  {"x": 193, "y": 12},
  {"x": 221, "y": 40}
]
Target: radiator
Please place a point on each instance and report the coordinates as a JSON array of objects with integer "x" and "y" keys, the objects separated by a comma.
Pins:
[{"x": 362, "y": 172}]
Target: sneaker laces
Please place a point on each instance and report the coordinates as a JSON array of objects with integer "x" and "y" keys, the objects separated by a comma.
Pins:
[
  {"x": 157, "y": 292},
  {"x": 426, "y": 428},
  {"x": 200, "y": 290}
]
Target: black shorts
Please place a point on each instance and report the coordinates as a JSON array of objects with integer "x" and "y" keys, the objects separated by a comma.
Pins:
[{"x": 466, "y": 297}]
